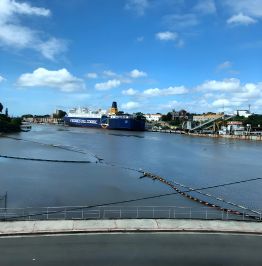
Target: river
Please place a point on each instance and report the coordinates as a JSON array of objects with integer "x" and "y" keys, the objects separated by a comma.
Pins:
[{"x": 192, "y": 161}]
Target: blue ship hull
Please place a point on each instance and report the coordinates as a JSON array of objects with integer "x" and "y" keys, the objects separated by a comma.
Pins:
[
  {"x": 82, "y": 122},
  {"x": 108, "y": 123},
  {"x": 126, "y": 124}
]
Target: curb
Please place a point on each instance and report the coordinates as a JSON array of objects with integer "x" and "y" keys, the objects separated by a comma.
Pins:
[{"x": 127, "y": 226}]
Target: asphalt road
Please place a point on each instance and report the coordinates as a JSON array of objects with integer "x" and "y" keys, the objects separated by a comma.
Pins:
[{"x": 132, "y": 249}]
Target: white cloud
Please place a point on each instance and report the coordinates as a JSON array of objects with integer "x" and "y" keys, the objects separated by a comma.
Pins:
[
  {"x": 225, "y": 85},
  {"x": 249, "y": 91},
  {"x": 222, "y": 103},
  {"x": 153, "y": 92},
  {"x": 190, "y": 106},
  {"x": 216, "y": 96},
  {"x": 166, "y": 36},
  {"x": 14, "y": 35},
  {"x": 140, "y": 39},
  {"x": 258, "y": 102},
  {"x": 130, "y": 105},
  {"x": 139, "y": 6},
  {"x": 59, "y": 79},
  {"x": 251, "y": 8},
  {"x": 1, "y": 78},
  {"x": 9, "y": 7},
  {"x": 176, "y": 21},
  {"x": 170, "y": 105},
  {"x": 212, "y": 95},
  {"x": 224, "y": 65},
  {"x": 241, "y": 19},
  {"x": 91, "y": 75},
  {"x": 109, "y": 73},
  {"x": 165, "y": 92},
  {"x": 137, "y": 74},
  {"x": 110, "y": 84},
  {"x": 205, "y": 7},
  {"x": 9, "y": 36},
  {"x": 208, "y": 95},
  {"x": 51, "y": 48},
  {"x": 130, "y": 92},
  {"x": 170, "y": 36},
  {"x": 226, "y": 103},
  {"x": 232, "y": 95}
]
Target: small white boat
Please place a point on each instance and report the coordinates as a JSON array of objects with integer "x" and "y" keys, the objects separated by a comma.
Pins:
[{"x": 25, "y": 127}]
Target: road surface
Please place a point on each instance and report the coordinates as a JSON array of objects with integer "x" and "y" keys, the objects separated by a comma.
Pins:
[{"x": 132, "y": 249}]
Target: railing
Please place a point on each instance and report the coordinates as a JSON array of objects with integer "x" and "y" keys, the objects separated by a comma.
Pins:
[{"x": 121, "y": 212}]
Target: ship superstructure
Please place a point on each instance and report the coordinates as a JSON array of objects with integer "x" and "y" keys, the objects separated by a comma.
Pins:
[{"x": 113, "y": 119}]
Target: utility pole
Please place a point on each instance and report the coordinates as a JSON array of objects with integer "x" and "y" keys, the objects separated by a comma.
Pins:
[{"x": 5, "y": 200}]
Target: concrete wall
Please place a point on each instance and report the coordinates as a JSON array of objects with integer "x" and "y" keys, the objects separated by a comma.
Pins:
[{"x": 241, "y": 137}]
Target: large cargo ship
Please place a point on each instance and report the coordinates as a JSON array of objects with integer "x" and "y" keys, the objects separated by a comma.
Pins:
[{"x": 83, "y": 117}]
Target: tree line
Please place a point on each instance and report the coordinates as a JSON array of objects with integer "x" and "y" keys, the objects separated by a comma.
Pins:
[{"x": 8, "y": 124}]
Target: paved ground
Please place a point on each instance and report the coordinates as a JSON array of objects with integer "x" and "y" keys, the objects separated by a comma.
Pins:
[{"x": 132, "y": 249}]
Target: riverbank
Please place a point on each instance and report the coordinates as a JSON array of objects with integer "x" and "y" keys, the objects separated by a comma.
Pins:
[
  {"x": 240, "y": 137},
  {"x": 167, "y": 131}
]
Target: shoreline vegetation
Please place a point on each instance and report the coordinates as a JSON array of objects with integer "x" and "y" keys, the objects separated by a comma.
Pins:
[{"x": 9, "y": 125}]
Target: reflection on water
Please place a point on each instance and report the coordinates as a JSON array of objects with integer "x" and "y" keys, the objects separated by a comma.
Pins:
[
  {"x": 196, "y": 162},
  {"x": 123, "y": 135}
]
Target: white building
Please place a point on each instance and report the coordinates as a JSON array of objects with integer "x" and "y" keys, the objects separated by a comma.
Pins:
[
  {"x": 153, "y": 117},
  {"x": 244, "y": 113},
  {"x": 233, "y": 127}
]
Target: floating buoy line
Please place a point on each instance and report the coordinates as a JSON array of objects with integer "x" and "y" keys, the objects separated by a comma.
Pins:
[
  {"x": 218, "y": 199},
  {"x": 171, "y": 184},
  {"x": 174, "y": 185},
  {"x": 42, "y": 160}
]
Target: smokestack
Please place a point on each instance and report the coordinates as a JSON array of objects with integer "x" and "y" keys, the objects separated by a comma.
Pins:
[
  {"x": 114, "y": 105},
  {"x": 114, "y": 109}
]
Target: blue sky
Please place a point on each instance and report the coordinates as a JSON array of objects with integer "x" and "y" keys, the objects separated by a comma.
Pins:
[{"x": 148, "y": 55}]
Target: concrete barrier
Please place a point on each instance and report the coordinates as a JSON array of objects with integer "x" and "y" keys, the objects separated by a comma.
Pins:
[{"x": 139, "y": 225}]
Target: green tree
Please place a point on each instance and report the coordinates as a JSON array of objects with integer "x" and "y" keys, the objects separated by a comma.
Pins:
[
  {"x": 175, "y": 123},
  {"x": 16, "y": 121},
  {"x": 27, "y": 116},
  {"x": 140, "y": 115},
  {"x": 167, "y": 117},
  {"x": 254, "y": 120},
  {"x": 59, "y": 114}
]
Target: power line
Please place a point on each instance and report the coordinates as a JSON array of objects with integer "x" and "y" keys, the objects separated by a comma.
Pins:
[
  {"x": 216, "y": 198},
  {"x": 133, "y": 200},
  {"x": 136, "y": 170}
]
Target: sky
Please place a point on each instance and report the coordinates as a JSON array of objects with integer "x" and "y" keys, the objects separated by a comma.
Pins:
[{"x": 148, "y": 55}]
